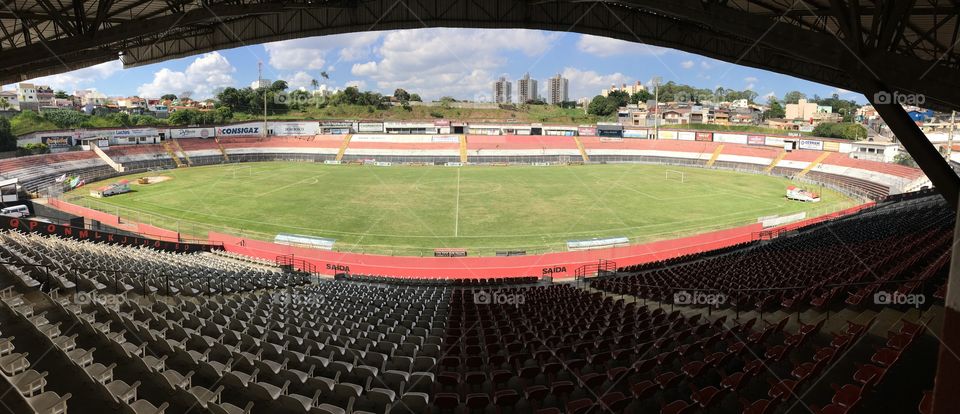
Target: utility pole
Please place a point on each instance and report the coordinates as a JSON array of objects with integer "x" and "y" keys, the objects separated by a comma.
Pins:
[
  {"x": 260, "y": 84},
  {"x": 656, "y": 107}
]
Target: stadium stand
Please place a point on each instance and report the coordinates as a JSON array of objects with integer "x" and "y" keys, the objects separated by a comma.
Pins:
[
  {"x": 90, "y": 325},
  {"x": 868, "y": 179},
  {"x": 897, "y": 247}
]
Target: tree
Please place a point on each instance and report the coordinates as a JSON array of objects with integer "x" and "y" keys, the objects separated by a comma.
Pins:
[
  {"x": 904, "y": 158},
  {"x": 599, "y": 106},
  {"x": 850, "y": 131},
  {"x": 8, "y": 141},
  {"x": 775, "y": 110},
  {"x": 222, "y": 114},
  {"x": 183, "y": 117},
  {"x": 61, "y": 95},
  {"x": 446, "y": 101},
  {"x": 4, "y": 104},
  {"x": 848, "y": 108},
  {"x": 316, "y": 87},
  {"x": 279, "y": 85},
  {"x": 324, "y": 75},
  {"x": 415, "y": 98},
  {"x": 720, "y": 92},
  {"x": 641, "y": 96},
  {"x": 65, "y": 118},
  {"x": 793, "y": 97},
  {"x": 121, "y": 118},
  {"x": 619, "y": 98},
  {"x": 402, "y": 95},
  {"x": 168, "y": 97}
]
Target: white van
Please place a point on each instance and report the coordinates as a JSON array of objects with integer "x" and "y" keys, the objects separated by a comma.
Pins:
[{"x": 16, "y": 211}]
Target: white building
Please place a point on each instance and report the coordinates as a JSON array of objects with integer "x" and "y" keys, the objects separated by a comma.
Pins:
[
  {"x": 27, "y": 95},
  {"x": 559, "y": 89},
  {"x": 526, "y": 89},
  {"x": 12, "y": 100},
  {"x": 629, "y": 89},
  {"x": 502, "y": 93},
  {"x": 91, "y": 97},
  {"x": 740, "y": 103}
]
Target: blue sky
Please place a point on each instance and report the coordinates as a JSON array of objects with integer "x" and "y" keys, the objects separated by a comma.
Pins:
[{"x": 434, "y": 62}]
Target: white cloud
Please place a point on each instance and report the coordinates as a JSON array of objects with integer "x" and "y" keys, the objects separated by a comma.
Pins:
[
  {"x": 81, "y": 78},
  {"x": 301, "y": 80},
  {"x": 359, "y": 84},
  {"x": 364, "y": 69},
  {"x": 841, "y": 91},
  {"x": 750, "y": 86},
  {"x": 456, "y": 62},
  {"x": 769, "y": 95},
  {"x": 750, "y": 79},
  {"x": 606, "y": 47},
  {"x": 201, "y": 79},
  {"x": 705, "y": 65},
  {"x": 687, "y": 64},
  {"x": 588, "y": 83},
  {"x": 312, "y": 53}
]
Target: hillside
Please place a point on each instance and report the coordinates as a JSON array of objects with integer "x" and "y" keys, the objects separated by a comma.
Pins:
[{"x": 526, "y": 114}]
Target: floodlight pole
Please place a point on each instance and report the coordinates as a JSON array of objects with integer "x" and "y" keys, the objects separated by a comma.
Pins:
[
  {"x": 656, "y": 107},
  {"x": 260, "y": 85}
]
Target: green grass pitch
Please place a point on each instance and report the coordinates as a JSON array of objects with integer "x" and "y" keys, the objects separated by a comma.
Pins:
[{"x": 411, "y": 210}]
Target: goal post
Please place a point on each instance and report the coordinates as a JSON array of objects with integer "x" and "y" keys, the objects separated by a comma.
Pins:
[
  {"x": 674, "y": 175},
  {"x": 242, "y": 171}
]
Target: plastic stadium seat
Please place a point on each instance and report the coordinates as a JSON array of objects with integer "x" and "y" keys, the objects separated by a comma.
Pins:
[
  {"x": 678, "y": 407},
  {"x": 579, "y": 406},
  {"x": 759, "y": 406}
]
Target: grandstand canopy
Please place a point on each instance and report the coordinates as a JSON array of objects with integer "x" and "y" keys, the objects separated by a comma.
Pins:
[{"x": 911, "y": 46}]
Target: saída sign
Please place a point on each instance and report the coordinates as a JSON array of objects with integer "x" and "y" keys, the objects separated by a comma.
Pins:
[{"x": 32, "y": 226}]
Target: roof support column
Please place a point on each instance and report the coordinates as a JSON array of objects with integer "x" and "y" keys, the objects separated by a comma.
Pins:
[
  {"x": 947, "y": 380},
  {"x": 947, "y": 183},
  {"x": 923, "y": 152}
]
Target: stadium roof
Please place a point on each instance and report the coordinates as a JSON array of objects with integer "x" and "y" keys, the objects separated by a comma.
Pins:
[
  {"x": 879, "y": 48},
  {"x": 910, "y": 45}
]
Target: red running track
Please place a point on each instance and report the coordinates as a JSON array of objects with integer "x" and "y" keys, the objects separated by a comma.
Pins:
[{"x": 559, "y": 265}]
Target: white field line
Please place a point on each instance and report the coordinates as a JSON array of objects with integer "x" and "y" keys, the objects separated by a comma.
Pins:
[{"x": 456, "y": 223}]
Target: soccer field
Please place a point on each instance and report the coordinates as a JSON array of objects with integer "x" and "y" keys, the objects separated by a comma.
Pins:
[{"x": 411, "y": 210}]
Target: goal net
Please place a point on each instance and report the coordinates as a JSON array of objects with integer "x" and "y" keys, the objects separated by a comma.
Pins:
[
  {"x": 674, "y": 175},
  {"x": 242, "y": 171}
]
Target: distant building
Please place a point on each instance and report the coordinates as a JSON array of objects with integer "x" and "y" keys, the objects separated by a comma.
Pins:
[
  {"x": 559, "y": 89},
  {"x": 784, "y": 124},
  {"x": 133, "y": 105},
  {"x": 91, "y": 97},
  {"x": 629, "y": 89},
  {"x": 13, "y": 102},
  {"x": 740, "y": 104},
  {"x": 526, "y": 89},
  {"x": 27, "y": 95},
  {"x": 807, "y": 111},
  {"x": 502, "y": 93},
  {"x": 46, "y": 97},
  {"x": 158, "y": 108}
]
